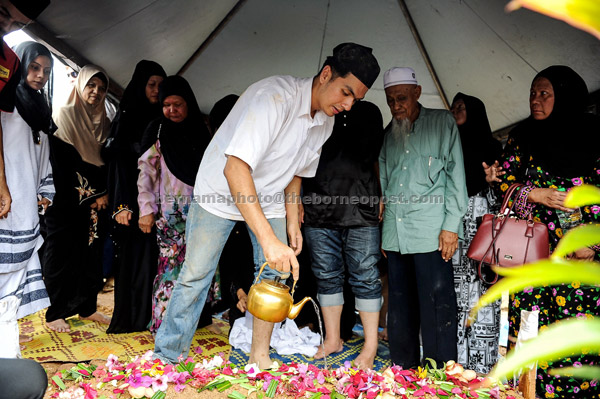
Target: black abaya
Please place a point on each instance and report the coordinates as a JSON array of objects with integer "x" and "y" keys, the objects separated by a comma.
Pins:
[
  {"x": 72, "y": 264},
  {"x": 137, "y": 252}
]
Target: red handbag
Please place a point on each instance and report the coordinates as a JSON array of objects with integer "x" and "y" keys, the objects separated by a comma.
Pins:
[{"x": 506, "y": 241}]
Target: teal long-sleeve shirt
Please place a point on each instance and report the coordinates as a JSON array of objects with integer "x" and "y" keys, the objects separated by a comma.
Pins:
[{"x": 423, "y": 182}]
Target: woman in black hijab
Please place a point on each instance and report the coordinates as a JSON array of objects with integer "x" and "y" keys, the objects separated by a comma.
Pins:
[
  {"x": 173, "y": 146},
  {"x": 477, "y": 345},
  {"x": 136, "y": 252},
  {"x": 550, "y": 152}
]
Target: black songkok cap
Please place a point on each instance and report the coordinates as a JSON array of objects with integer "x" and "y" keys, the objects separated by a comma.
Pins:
[
  {"x": 355, "y": 59},
  {"x": 30, "y": 8}
]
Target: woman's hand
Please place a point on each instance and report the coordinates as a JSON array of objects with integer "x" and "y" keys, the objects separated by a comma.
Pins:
[
  {"x": 146, "y": 222},
  {"x": 583, "y": 254},
  {"x": 44, "y": 202},
  {"x": 242, "y": 304},
  {"x": 492, "y": 172},
  {"x": 5, "y": 198},
  {"x": 549, "y": 197},
  {"x": 100, "y": 203},
  {"x": 123, "y": 217}
]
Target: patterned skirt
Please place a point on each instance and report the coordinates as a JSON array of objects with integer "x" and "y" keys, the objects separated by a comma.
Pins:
[
  {"x": 477, "y": 344},
  {"x": 170, "y": 229}
]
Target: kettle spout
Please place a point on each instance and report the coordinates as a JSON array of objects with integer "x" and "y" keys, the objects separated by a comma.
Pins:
[{"x": 296, "y": 308}]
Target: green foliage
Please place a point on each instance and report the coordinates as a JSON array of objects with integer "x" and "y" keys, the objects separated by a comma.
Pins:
[
  {"x": 582, "y": 195},
  {"x": 583, "y": 372},
  {"x": 582, "y": 236},
  {"x": 582, "y": 14},
  {"x": 558, "y": 340},
  {"x": 554, "y": 343}
]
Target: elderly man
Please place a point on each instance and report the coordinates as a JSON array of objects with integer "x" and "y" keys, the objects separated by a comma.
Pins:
[
  {"x": 270, "y": 140},
  {"x": 423, "y": 180}
]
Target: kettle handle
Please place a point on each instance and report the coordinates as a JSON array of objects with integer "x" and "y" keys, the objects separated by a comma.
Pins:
[
  {"x": 263, "y": 268},
  {"x": 260, "y": 271}
]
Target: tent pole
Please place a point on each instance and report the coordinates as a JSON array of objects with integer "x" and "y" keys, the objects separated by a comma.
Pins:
[
  {"x": 421, "y": 46},
  {"x": 210, "y": 37}
]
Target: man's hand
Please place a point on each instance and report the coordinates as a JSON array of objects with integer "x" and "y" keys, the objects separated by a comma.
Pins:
[
  {"x": 448, "y": 244},
  {"x": 295, "y": 238},
  {"x": 281, "y": 257},
  {"x": 381, "y": 210},
  {"x": 146, "y": 222},
  {"x": 300, "y": 213},
  {"x": 124, "y": 217},
  {"x": 549, "y": 197},
  {"x": 5, "y": 198},
  {"x": 100, "y": 203}
]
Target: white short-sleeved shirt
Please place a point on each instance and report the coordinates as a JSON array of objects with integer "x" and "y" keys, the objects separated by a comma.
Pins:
[{"x": 271, "y": 129}]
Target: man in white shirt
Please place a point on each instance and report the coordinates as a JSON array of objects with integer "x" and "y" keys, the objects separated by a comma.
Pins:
[{"x": 252, "y": 171}]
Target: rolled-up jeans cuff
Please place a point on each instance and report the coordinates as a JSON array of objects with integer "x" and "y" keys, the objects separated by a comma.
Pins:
[
  {"x": 368, "y": 305},
  {"x": 331, "y": 299},
  {"x": 162, "y": 359}
]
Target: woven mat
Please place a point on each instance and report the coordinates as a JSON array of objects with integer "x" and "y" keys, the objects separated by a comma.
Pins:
[
  {"x": 351, "y": 350},
  {"x": 88, "y": 340}
]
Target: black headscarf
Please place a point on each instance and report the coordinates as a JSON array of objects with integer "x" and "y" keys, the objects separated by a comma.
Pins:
[
  {"x": 135, "y": 111},
  {"x": 182, "y": 144},
  {"x": 134, "y": 98},
  {"x": 560, "y": 144},
  {"x": 33, "y": 106},
  {"x": 478, "y": 144}
]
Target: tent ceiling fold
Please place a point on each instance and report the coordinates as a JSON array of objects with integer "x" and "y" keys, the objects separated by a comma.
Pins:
[{"x": 474, "y": 46}]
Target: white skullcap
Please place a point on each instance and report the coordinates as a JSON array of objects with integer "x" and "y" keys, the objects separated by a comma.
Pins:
[{"x": 399, "y": 76}]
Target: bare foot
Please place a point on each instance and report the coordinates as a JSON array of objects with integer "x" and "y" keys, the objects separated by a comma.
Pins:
[
  {"x": 364, "y": 361},
  {"x": 59, "y": 325},
  {"x": 263, "y": 362},
  {"x": 99, "y": 317},
  {"x": 24, "y": 338},
  {"x": 213, "y": 328},
  {"x": 109, "y": 285},
  {"x": 26, "y": 329},
  {"x": 330, "y": 347}
]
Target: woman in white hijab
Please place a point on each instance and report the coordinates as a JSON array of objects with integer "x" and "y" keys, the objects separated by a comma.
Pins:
[{"x": 73, "y": 255}]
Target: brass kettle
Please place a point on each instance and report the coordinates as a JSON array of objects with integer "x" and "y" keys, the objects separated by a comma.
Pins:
[{"x": 271, "y": 300}]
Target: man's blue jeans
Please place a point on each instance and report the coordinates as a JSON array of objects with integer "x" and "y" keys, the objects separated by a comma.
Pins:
[
  {"x": 206, "y": 235},
  {"x": 359, "y": 249}
]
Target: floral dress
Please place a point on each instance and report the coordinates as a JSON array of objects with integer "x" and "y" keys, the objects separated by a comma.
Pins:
[
  {"x": 168, "y": 198},
  {"x": 554, "y": 303}
]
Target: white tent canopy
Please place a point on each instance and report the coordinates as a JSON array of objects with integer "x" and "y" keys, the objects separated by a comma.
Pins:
[{"x": 226, "y": 45}]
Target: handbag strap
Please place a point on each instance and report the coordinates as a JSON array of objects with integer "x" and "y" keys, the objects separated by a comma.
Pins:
[
  {"x": 502, "y": 216},
  {"x": 507, "y": 196}
]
